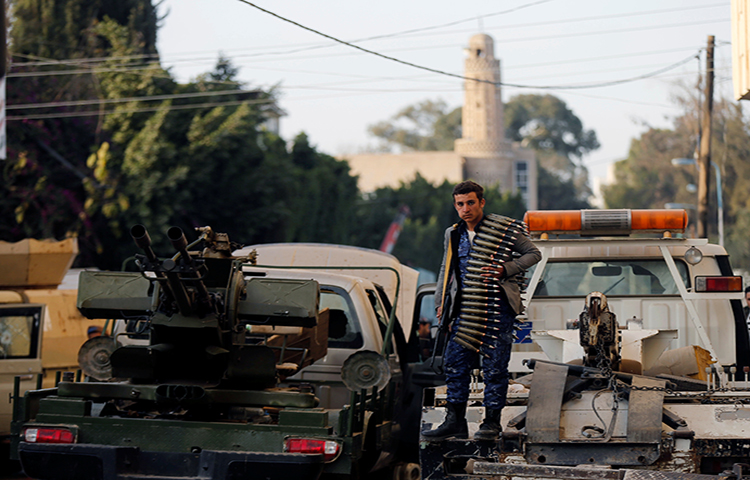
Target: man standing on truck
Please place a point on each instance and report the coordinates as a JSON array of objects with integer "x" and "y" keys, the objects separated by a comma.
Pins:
[{"x": 468, "y": 199}]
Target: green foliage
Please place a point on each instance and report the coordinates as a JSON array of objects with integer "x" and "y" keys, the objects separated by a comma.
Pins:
[
  {"x": 541, "y": 122},
  {"x": 52, "y": 185},
  {"x": 420, "y": 243},
  {"x": 557, "y": 193},
  {"x": 61, "y": 29},
  {"x": 425, "y": 126},
  {"x": 323, "y": 208},
  {"x": 545, "y": 123},
  {"x": 647, "y": 179},
  {"x": 179, "y": 162},
  {"x": 731, "y": 150}
]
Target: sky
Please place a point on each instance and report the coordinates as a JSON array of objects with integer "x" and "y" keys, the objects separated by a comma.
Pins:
[{"x": 333, "y": 92}]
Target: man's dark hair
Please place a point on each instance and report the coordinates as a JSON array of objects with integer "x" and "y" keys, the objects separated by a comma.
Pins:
[
  {"x": 747, "y": 289},
  {"x": 467, "y": 187}
]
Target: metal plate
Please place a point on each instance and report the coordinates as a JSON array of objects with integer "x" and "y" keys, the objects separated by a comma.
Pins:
[
  {"x": 645, "y": 411},
  {"x": 545, "y": 402},
  {"x": 365, "y": 369},
  {"x": 93, "y": 357}
]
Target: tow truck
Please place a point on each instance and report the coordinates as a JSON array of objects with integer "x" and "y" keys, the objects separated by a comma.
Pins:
[{"x": 638, "y": 366}]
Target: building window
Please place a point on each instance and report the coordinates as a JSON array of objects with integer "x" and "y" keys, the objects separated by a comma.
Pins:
[{"x": 521, "y": 177}]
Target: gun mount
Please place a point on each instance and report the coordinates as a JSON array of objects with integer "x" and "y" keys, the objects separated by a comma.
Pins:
[{"x": 203, "y": 316}]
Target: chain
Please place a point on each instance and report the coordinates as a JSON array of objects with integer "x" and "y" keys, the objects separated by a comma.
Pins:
[{"x": 605, "y": 366}]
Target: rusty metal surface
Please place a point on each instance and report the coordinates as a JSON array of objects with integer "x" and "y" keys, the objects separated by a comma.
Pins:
[
  {"x": 593, "y": 453},
  {"x": 444, "y": 459},
  {"x": 545, "y": 402},
  {"x": 645, "y": 411},
  {"x": 546, "y": 471},
  {"x": 494, "y": 470},
  {"x": 657, "y": 475}
]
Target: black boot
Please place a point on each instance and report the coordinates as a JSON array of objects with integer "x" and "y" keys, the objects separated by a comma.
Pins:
[
  {"x": 490, "y": 427},
  {"x": 454, "y": 424}
]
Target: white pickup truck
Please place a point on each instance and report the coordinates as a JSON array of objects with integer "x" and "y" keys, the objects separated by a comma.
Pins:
[
  {"x": 358, "y": 285},
  {"x": 667, "y": 394}
]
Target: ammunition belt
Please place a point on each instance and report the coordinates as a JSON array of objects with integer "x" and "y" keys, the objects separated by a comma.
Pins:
[{"x": 492, "y": 246}]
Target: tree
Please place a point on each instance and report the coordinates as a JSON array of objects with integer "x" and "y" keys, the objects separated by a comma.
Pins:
[
  {"x": 324, "y": 204},
  {"x": 425, "y": 126},
  {"x": 153, "y": 163},
  {"x": 541, "y": 122},
  {"x": 420, "y": 243},
  {"x": 558, "y": 194},
  {"x": 647, "y": 179},
  {"x": 61, "y": 29},
  {"x": 546, "y": 124},
  {"x": 46, "y": 176}
]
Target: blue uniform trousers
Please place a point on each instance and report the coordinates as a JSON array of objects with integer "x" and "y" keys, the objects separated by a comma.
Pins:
[{"x": 460, "y": 361}]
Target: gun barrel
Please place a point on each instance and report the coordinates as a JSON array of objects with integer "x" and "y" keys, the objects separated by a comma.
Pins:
[
  {"x": 179, "y": 242},
  {"x": 143, "y": 240},
  {"x": 177, "y": 237}
]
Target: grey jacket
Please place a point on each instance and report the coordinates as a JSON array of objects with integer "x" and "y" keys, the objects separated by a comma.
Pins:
[{"x": 530, "y": 255}]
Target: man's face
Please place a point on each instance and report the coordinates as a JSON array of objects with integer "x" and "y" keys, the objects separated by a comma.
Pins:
[
  {"x": 469, "y": 207},
  {"x": 747, "y": 298}
]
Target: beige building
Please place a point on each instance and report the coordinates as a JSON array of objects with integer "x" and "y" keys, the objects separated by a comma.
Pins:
[
  {"x": 741, "y": 48},
  {"x": 482, "y": 153}
]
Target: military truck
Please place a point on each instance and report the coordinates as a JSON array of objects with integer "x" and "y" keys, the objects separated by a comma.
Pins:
[
  {"x": 639, "y": 363},
  {"x": 220, "y": 389}
]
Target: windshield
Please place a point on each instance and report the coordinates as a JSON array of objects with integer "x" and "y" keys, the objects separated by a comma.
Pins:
[{"x": 611, "y": 277}]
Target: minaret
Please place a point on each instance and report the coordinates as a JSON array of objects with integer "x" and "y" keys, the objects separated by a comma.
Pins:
[
  {"x": 488, "y": 157},
  {"x": 483, "y": 121}
]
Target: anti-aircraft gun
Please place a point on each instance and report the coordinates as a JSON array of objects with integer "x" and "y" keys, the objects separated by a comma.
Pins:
[{"x": 200, "y": 312}]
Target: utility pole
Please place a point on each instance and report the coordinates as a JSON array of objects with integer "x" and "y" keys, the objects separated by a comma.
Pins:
[{"x": 704, "y": 158}]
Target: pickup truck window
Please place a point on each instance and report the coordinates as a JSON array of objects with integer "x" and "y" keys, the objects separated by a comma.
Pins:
[
  {"x": 611, "y": 277},
  {"x": 377, "y": 307},
  {"x": 17, "y": 332},
  {"x": 344, "y": 330}
]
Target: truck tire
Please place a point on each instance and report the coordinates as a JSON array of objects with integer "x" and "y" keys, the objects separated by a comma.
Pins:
[{"x": 407, "y": 471}]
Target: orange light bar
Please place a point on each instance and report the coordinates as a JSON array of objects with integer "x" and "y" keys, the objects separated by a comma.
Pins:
[
  {"x": 606, "y": 222},
  {"x": 659, "y": 220},
  {"x": 553, "y": 220}
]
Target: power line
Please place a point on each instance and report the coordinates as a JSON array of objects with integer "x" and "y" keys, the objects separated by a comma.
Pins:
[
  {"x": 55, "y": 73},
  {"x": 107, "y": 101},
  {"x": 354, "y": 93},
  {"x": 323, "y": 86},
  {"x": 92, "y": 113},
  {"x": 151, "y": 56},
  {"x": 136, "y": 68},
  {"x": 450, "y": 24},
  {"x": 584, "y": 19},
  {"x": 441, "y": 72},
  {"x": 453, "y": 45},
  {"x": 47, "y": 62},
  {"x": 604, "y": 57}
]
